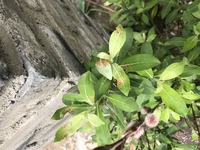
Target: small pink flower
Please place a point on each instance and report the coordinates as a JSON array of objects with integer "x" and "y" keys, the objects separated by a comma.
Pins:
[
  {"x": 151, "y": 120},
  {"x": 143, "y": 110},
  {"x": 139, "y": 132}
]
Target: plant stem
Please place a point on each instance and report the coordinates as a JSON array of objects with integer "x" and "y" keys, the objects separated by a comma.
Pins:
[
  {"x": 147, "y": 139},
  {"x": 152, "y": 22},
  {"x": 196, "y": 124},
  {"x": 101, "y": 6}
]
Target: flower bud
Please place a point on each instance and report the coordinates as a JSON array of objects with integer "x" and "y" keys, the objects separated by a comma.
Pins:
[
  {"x": 143, "y": 111},
  {"x": 151, "y": 120}
]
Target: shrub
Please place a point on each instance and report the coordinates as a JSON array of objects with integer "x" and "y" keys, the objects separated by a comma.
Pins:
[{"x": 143, "y": 78}]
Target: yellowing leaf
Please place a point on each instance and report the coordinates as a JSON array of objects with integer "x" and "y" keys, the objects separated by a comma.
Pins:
[
  {"x": 117, "y": 40},
  {"x": 104, "y": 55}
]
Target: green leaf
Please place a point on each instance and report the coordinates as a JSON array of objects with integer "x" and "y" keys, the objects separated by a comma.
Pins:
[
  {"x": 191, "y": 96},
  {"x": 190, "y": 71},
  {"x": 172, "y": 16},
  {"x": 162, "y": 147},
  {"x": 95, "y": 120},
  {"x": 81, "y": 5},
  {"x": 146, "y": 48},
  {"x": 164, "y": 139},
  {"x": 145, "y": 19},
  {"x": 186, "y": 86},
  {"x": 194, "y": 54},
  {"x": 152, "y": 104},
  {"x": 172, "y": 71},
  {"x": 138, "y": 37},
  {"x": 117, "y": 40},
  {"x": 174, "y": 117},
  {"x": 151, "y": 4},
  {"x": 177, "y": 41},
  {"x": 76, "y": 109},
  {"x": 142, "y": 99},
  {"x": 197, "y": 29},
  {"x": 102, "y": 86},
  {"x": 190, "y": 43},
  {"x": 194, "y": 135},
  {"x": 193, "y": 6},
  {"x": 187, "y": 146},
  {"x": 113, "y": 1},
  {"x": 139, "y": 11},
  {"x": 139, "y": 62},
  {"x": 117, "y": 115},
  {"x": 165, "y": 115},
  {"x": 158, "y": 112},
  {"x": 123, "y": 82},
  {"x": 70, "y": 128},
  {"x": 151, "y": 35},
  {"x": 115, "y": 15},
  {"x": 71, "y": 97},
  {"x": 104, "y": 68},
  {"x": 173, "y": 100},
  {"x": 127, "y": 104},
  {"x": 166, "y": 9},
  {"x": 142, "y": 83},
  {"x": 103, "y": 55},
  {"x": 146, "y": 73},
  {"x": 127, "y": 45},
  {"x": 187, "y": 16},
  {"x": 87, "y": 128},
  {"x": 122, "y": 18},
  {"x": 172, "y": 129},
  {"x": 196, "y": 14},
  {"x": 102, "y": 132},
  {"x": 60, "y": 113},
  {"x": 154, "y": 11},
  {"x": 86, "y": 87}
]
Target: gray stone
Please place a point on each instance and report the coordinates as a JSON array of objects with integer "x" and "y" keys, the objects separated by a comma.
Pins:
[{"x": 42, "y": 46}]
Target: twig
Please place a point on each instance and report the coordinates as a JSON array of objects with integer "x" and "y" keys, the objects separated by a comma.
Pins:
[
  {"x": 99, "y": 5},
  {"x": 147, "y": 139},
  {"x": 152, "y": 22},
  {"x": 196, "y": 124}
]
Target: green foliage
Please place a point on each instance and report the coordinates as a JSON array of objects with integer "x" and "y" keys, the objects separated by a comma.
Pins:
[{"x": 141, "y": 72}]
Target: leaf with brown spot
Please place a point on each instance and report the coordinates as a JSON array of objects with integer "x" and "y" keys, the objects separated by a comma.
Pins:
[
  {"x": 117, "y": 40},
  {"x": 60, "y": 113},
  {"x": 123, "y": 82},
  {"x": 70, "y": 128},
  {"x": 104, "y": 68}
]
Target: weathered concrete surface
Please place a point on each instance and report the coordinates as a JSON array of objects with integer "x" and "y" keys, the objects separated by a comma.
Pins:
[{"x": 42, "y": 46}]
